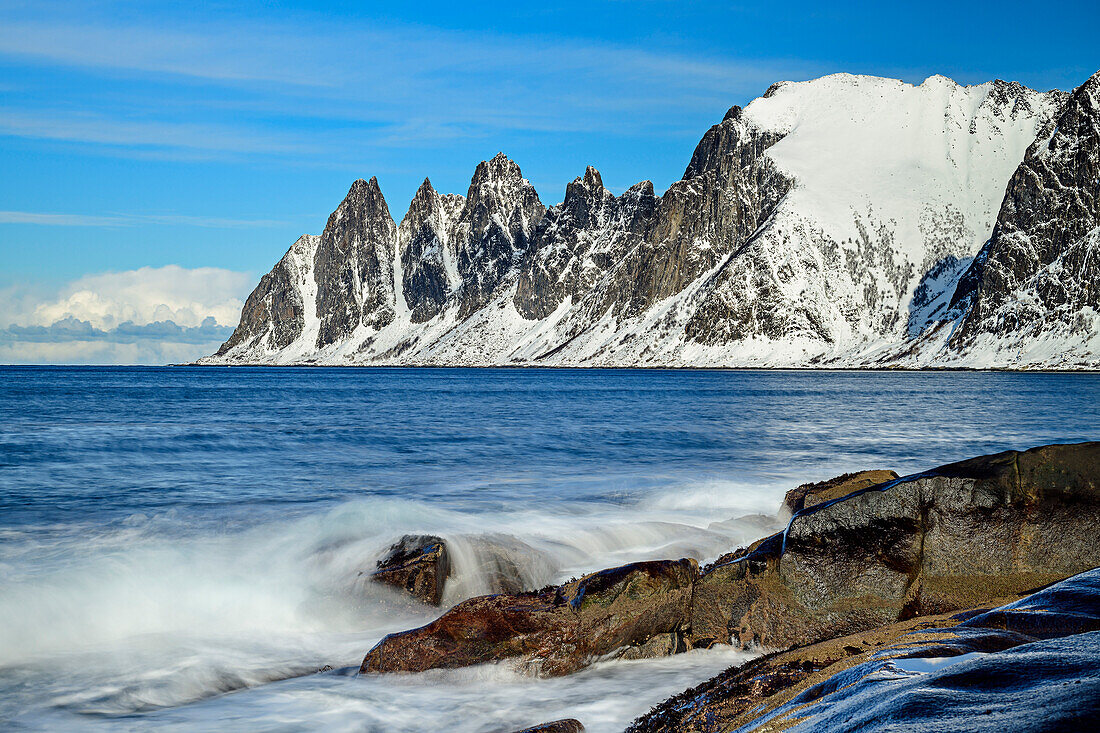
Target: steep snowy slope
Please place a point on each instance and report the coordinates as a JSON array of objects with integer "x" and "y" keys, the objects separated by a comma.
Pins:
[
  {"x": 282, "y": 310},
  {"x": 825, "y": 224},
  {"x": 1032, "y": 295}
]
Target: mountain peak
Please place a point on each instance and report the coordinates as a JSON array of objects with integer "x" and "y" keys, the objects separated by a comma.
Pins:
[
  {"x": 366, "y": 197},
  {"x": 500, "y": 166},
  {"x": 592, "y": 178},
  {"x": 426, "y": 192},
  {"x": 500, "y": 183},
  {"x": 583, "y": 193},
  {"x": 424, "y": 203}
]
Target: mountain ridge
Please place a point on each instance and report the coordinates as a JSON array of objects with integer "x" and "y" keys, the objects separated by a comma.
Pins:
[{"x": 826, "y": 224}]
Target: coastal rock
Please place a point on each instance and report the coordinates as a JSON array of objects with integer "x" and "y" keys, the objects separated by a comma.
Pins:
[
  {"x": 550, "y": 632},
  {"x": 417, "y": 564},
  {"x": 566, "y": 725},
  {"x": 930, "y": 543},
  {"x": 864, "y": 681},
  {"x": 661, "y": 645},
  {"x": 808, "y": 495},
  {"x": 502, "y": 563},
  {"x": 424, "y": 566}
]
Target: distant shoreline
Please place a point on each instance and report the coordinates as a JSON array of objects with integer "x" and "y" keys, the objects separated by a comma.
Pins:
[
  {"x": 648, "y": 368},
  {"x": 534, "y": 367}
]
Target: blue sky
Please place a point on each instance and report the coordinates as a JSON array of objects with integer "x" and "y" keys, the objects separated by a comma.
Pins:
[{"x": 142, "y": 135}]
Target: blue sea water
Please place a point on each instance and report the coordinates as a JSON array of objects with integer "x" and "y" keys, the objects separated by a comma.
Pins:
[{"x": 181, "y": 547}]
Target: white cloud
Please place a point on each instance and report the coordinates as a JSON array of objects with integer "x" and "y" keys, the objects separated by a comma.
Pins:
[
  {"x": 153, "y": 315},
  {"x": 102, "y": 352},
  {"x": 147, "y": 295}
]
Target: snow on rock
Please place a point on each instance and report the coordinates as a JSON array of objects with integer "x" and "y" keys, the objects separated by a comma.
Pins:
[{"x": 827, "y": 224}]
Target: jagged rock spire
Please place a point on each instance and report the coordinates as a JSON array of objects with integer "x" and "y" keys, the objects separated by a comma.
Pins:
[
  {"x": 759, "y": 247},
  {"x": 495, "y": 229},
  {"x": 354, "y": 265},
  {"x": 427, "y": 257}
]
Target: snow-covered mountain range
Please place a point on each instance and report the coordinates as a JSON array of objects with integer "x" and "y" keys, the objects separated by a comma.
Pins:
[{"x": 843, "y": 222}]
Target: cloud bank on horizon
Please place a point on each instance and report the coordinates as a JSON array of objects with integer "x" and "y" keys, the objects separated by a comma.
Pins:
[
  {"x": 144, "y": 316},
  {"x": 138, "y": 136}
]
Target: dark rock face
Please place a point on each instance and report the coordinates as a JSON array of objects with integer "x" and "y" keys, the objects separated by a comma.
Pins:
[
  {"x": 494, "y": 231},
  {"x": 729, "y": 188},
  {"x": 808, "y": 495},
  {"x": 730, "y": 164},
  {"x": 424, "y": 236},
  {"x": 273, "y": 316},
  {"x": 354, "y": 265},
  {"x": 579, "y": 241},
  {"x": 929, "y": 543},
  {"x": 550, "y": 632},
  {"x": 417, "y": 564},
  {"x": 1045, "y": 243},
  {"x": 823, "y": 685}
]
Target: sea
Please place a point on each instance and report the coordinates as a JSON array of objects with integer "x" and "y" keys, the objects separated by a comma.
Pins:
[{"x": 189, "y": 548}]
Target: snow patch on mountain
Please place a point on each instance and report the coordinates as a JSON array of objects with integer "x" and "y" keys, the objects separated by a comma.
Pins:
[{"x": 827, "y": 224}]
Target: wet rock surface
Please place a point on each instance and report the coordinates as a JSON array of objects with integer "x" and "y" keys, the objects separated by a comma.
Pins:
[
  {"x": 417, "y": 564},
  {"x": 992, "y": 527},
  {"x": 425, "y": 565},
  {"x": 874, "y": 680},
  {"x": 567, "y": 725},
  {"x": 550, "y": 632},
  {"x": 930, "y": 543},
  {"x": 808, "y": 495}
]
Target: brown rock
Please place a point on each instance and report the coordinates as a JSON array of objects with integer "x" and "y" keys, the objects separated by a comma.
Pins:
[
  {"x": 661, "y": 645},
  {"x": 934, "y": 542},
  {"x": 808, "y": 495},
  {"x": 550, "y": 632},
  {"x": 931, "y": 543},
  {"x": 566, "y": 725},
  {"x": 418, "y": 564},
  {"x": 740, "y": 694},
  {"x": 749, "y": 696}
]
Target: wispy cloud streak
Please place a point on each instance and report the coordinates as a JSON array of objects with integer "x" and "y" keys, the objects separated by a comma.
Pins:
[
  {"x": 126, "y": 220},
  {"x": 309, "y": 89}
]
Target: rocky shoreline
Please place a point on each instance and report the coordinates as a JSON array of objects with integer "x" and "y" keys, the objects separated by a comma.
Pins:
[{"x": 867, "y": 566}]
